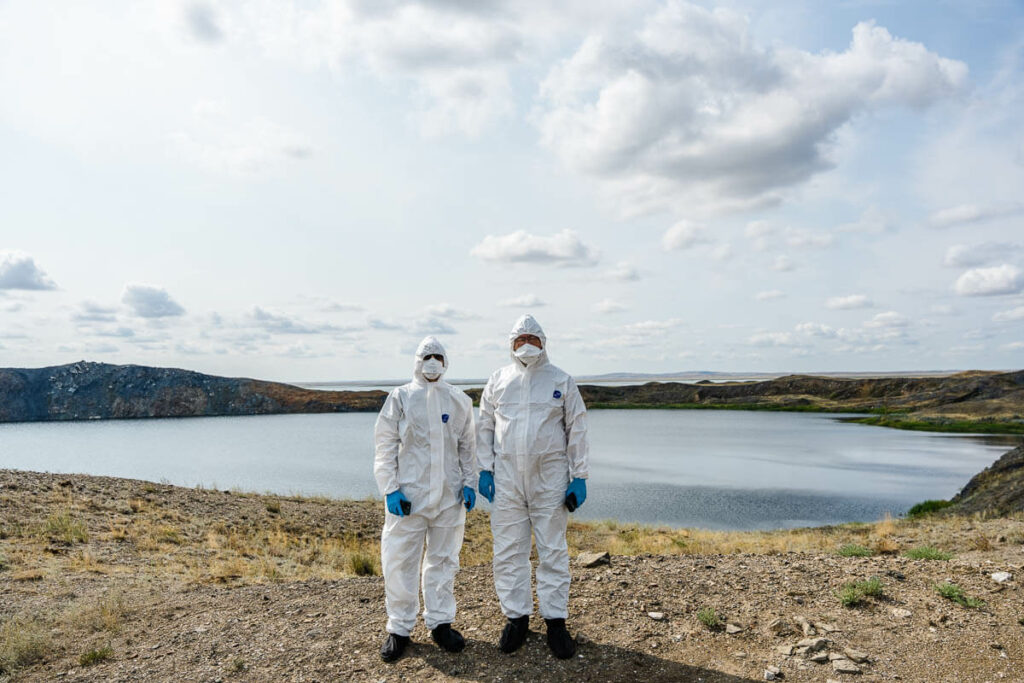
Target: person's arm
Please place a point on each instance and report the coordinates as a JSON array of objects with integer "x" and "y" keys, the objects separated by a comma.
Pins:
[
  {"x": 485, "y": 431},
  {"x": 467, "y": 446},
  {"x": 387, "y": 444},
  {"x": 577, "y": 443}
]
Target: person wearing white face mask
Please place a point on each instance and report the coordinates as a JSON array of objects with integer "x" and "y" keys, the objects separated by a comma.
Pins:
[
  {"x": 532, "y": 450},
  {"x": 425, "y": 468}
]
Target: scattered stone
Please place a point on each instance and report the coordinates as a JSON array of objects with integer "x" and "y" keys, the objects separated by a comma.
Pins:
[
  {"x": 901, "y": 613},
  {"x": 833, "y": 656},
  {"x": 804, "y": 625},
  {"x": 819, "y": 657},
  {"x": 784, "y": 650},
  {"x": 590, "y": 560},
  {"x": 856, "y": 655},
  {"x": 1002, "y": 577},
  {"x": 845, "y": 666},
  {"x": 996, "y": 646},
  {"x": 772, "y": 673},
  {"x": 657, "y": 616},
  {"x": 739, "y": 655},
  {"x": 732, "y": 629},
  {"x": 779, "y": 627},
  {"x": 812, "y": 644},
  {"x": 825, "y": 628}
]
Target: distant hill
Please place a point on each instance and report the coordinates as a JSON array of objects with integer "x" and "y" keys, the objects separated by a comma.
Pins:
[{"x": 85, "y": 390}]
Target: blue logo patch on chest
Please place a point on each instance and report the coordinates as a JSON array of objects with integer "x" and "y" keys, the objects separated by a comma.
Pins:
[
  {"x": 557, "y": 394},
  {"x": 444, "y": 418}
]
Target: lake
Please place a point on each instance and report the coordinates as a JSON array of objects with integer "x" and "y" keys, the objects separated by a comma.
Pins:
[{"x": 698, "y": 468}]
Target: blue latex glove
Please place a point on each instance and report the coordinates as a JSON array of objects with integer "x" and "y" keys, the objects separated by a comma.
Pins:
[
  {"x": 578, "y": 487},
  {"x": 487, "y": 485},
  {"x": 394, "y": 502},
  {"x": 468, "y": 497}
]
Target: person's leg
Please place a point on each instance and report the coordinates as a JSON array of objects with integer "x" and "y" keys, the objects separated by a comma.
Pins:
[
  {"x": 549, "y": 527},
  {"x": 440, "y": 564},
  {"x": 401, "y": 548},
  {"x": 510, "y": 527}
]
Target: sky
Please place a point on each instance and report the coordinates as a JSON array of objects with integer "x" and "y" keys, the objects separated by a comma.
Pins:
[{"x": 302, "y": 190}]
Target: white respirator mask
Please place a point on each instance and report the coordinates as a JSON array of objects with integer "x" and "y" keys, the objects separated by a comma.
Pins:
[
  {"x": 432, "y": 369},
  {"x": 527, "y": 353}
]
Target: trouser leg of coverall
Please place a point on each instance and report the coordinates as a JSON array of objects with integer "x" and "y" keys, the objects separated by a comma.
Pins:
[
  {"x": 553, "y": 569},
  {"x": 401, "y": 549},
  {"x": 440, "y": 565},
  {"x": 511, "y": 531}
]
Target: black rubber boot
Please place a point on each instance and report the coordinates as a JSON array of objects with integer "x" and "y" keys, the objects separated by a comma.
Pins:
[
  {"x": 514, "y": 635},
  {"x": 559, "y": 640},
  {"x": 448, "y": 638},
  {"x": 393, "y": 647}
]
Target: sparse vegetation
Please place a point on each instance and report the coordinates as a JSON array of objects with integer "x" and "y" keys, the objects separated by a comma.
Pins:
[
  {"x": 854, "y": 550},
  {"x": 926, "y": 552},
  {"x": 709, "y": 617},
  {"x": 853, "y": 594},
  {"x": 953, "y": 426},
  {"x": 23, "y": 641},
  {"x": 61, "y": 526},
  {"x": 105, "y": 614},
  {"x": 273, "y": 506},
  {"x": 5, "y": 564},
  {"x": 362, "y": 564},
  {"x": 95, "y": 656},
  {"x": 955, "y": 593},
  {"x": 927, "y": 507}
]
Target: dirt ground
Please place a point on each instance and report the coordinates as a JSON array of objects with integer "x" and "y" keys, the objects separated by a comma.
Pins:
[{"x": 119, "y": 580}]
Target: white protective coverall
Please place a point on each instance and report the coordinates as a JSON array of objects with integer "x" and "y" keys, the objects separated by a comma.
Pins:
[
  {"x": 425, "y": 445},
  {"x": 533, "y": 436}
]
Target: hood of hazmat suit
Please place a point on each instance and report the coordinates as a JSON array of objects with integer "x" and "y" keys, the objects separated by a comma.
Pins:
[
  {"x": 533, "y": 436},
  {"x": 425, "y": 446}
]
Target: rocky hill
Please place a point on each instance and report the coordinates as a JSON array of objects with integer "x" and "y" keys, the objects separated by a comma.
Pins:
[
  {"x": 85, "y": 390},
  {"x": 998, "y": 490}
]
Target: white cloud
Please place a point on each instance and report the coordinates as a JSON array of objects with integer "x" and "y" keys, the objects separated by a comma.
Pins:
[
  {"x": 652, "y": 326},
  {"x": 873, "y": 221},
  {"x": 804, "y": 239},
  {"x": 523, "y": 301},
  {"x": 1009, "y": 316},
  {"x": 770, "y": 295},
  {"x": 691, "y": 112},
  {"x": 609, "y": 306},
  {"x": 771, "y": 339},
  {"x": 1004, "y": 279},
  {"x": 968, "y": 255},
  {"x": 563, "y": 249},
  {"x": 1013, "y": 346},
  {"x": 966, "y": 214},
  {"x": 91, "y": 312},
  {"x": 432, "y": 326},
  {"x": 888, "y": 319},
  {"x": 18, "y": 270},
  {"x": 448, "y": 311},
  {"x": 150, "y": 301},
  {"x": 783, "y": 264},
  {"x": 723, "y": 252},
  {"x": 624, "y": 272},
  {"x": 817, "y": 330},
  {"x": 684, "y": 235},
  {"x": 282, "y": 324},
  {"x": 849, "y": 302}
]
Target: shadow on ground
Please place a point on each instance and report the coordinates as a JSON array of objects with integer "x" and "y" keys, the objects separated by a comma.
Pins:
[{"x": 481, "y": 661}]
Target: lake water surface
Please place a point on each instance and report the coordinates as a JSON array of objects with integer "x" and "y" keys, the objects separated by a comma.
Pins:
[{"x": 704, "y": 468}]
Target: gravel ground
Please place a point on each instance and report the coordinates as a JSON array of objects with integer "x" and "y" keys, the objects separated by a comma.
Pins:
[{"x": 635, "y": 617}]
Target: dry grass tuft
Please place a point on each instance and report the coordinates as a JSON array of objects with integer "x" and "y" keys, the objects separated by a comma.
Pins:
[
  {"x": 107, "y": 614},
  {"x": 62, "y": 527},
  {"x": 23, "y": 641}
]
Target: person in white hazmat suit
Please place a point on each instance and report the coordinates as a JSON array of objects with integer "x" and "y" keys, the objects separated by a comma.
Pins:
[
  {"x": 425, "y": 468},
  {"x": 532, "y": 449}
]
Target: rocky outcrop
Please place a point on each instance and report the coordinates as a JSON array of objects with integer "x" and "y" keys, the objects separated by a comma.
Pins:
[
  {"x": 84, "y": 390},
  {"x": 998, "y": 490}
]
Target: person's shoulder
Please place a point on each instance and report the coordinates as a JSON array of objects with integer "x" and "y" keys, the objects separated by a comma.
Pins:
[
  {"x": 557, "y": 372},
  {"x": 502, "y": 372}
]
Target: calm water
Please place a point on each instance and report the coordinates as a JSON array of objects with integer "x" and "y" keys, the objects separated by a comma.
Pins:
[{"x": 714, "y": 469}]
